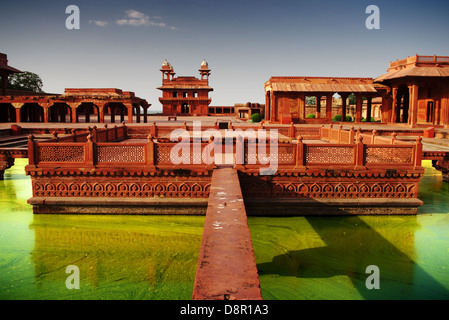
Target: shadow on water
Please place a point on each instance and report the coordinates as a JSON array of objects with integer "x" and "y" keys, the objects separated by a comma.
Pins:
[{"x": 351, "y": 245}]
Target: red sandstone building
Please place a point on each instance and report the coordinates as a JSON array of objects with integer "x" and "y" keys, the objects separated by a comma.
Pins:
[
  {"x": 419, "y": 91},
  {"x": 74, "y": 105},
  {"x": 185, "y": 95},
  {"x": 285, "y": 97},
  {"x": 414, "y": 91}
]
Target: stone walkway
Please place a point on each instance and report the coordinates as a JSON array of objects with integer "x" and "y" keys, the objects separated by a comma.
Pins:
[{"x": 226, "y": 265}]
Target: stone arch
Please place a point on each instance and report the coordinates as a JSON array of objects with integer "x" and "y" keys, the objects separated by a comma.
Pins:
[
  {"x": 115, "y": 112},
  {"x": 86, "y": 110},
  {"x": 60, "y": 112},
  {"x": 31, "y": 112},
  {"x": 7, "y": 113}
]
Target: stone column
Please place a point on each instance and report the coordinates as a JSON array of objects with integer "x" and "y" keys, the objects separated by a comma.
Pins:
[
  {"x": 368, "y": 109},
  {"x": 138, "y": 113},
  {"x": 101, "y": 106},
  {"x": 145, "y": 119},
  {"x": 267, "y": 103},
  {"x": 74, "y": 106},
  {"x": 358, "y": 107},
  {"x": 413, "y": 104},
  {"x": 130, "y": 107},
  {"x": 46, "y": 108},
  {"x": 329, "y": 106},
  {"x": 318, "y": 107},
  {"x": 273, "y": 107},
  {"x": 344, "y": 97},
  {"x": 17, "y": 106},
  {"x": 394, "y": 105}
]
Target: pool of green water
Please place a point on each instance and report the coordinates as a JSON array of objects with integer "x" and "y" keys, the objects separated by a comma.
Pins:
[
  {"x": 118, "y": 257},
  {"x": 155, "y": 257},
  {"x": 327, "y": 257}
]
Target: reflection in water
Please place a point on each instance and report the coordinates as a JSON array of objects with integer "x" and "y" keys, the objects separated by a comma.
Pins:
[
  {"x": 119, "y": 257},
  {"x": 155, "y": 257},
  {"x": 326, "y": 258}
]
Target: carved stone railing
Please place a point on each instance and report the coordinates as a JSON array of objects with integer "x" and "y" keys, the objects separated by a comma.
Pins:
[{"x": 377, "y": 152}]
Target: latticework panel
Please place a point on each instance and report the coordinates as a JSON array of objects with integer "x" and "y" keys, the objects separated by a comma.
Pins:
[
  {"x": 121, "y": 153},
  {"x": 312, "y": 132},
  {"x": 286, "y": 155},
  {"x": 59, "y": 153},
  {"x": 389, "y": 155},
  {"x": 163, "y": 154},
  {"x": 328, "y": 154},
  {"x": 251, "y": 154}
]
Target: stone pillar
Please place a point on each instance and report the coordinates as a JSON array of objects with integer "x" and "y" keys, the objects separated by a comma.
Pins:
[
  {"x": 413, "y": 104},
  {"x": 358, "y": 107},
  {"x": 273, "y": 107},
  {"x": 394, "y": 105},
  {"x": 74, "y": 107},
  {"x": 368, "y": 109},
  {"x": 318, "y": 107},
  {"x": 130, "y": 107},
  {"x": 138, "y": 113},
  {"x": 386, "y": 109},
  {"x": 46, "y": 109},
  {"x": 344, "y": 97},
  {"x": 267, "y": 103},
  {"x": 145, "y": 119},
  {"x": 329, "y": 106},
  {"x": 302, "y": 106},
  {"x": 101, "y": 106},
  {"x": 18, "y": 106}
]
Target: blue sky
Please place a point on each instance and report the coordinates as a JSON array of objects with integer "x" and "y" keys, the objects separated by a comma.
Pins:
[{"x": 122, "y": 44}]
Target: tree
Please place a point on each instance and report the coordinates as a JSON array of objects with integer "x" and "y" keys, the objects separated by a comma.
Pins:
[
  {"x": 28, "y": 81},
  {"x": 352, "y": 99},
  {"x": 310, "y": 101},
  {"x": 256, "y": 117}
]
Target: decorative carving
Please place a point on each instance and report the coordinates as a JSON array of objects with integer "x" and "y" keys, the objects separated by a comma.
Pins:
[
  {"x": 169, "y": 189},
  {"x": 58, "y": 153}
]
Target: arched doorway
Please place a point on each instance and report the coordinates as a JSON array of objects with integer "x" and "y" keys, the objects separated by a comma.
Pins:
[
  {"x": 86, "y": 110},
  {"x": 60, "y": 112},
  {"x": 402, "y": 104},
  {"x": 7, "y": 113},
  {"x": 31, "y": 112},
  {"x": 115, "y": 112}
]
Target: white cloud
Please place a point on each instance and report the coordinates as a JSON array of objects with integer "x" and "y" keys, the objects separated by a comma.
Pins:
[
  {"x": 99, "y": 23},
  {"x": 136, "y": 18}
]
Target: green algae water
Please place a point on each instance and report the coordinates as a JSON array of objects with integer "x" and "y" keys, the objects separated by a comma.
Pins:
[
  {"x": 155, "y": 257},
  {"x": 303, "y": 258},
  {"x": 118, "y": 257}
]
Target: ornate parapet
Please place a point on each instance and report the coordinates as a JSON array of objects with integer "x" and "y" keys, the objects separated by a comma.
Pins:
[{"x": 157, "y": 175}]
